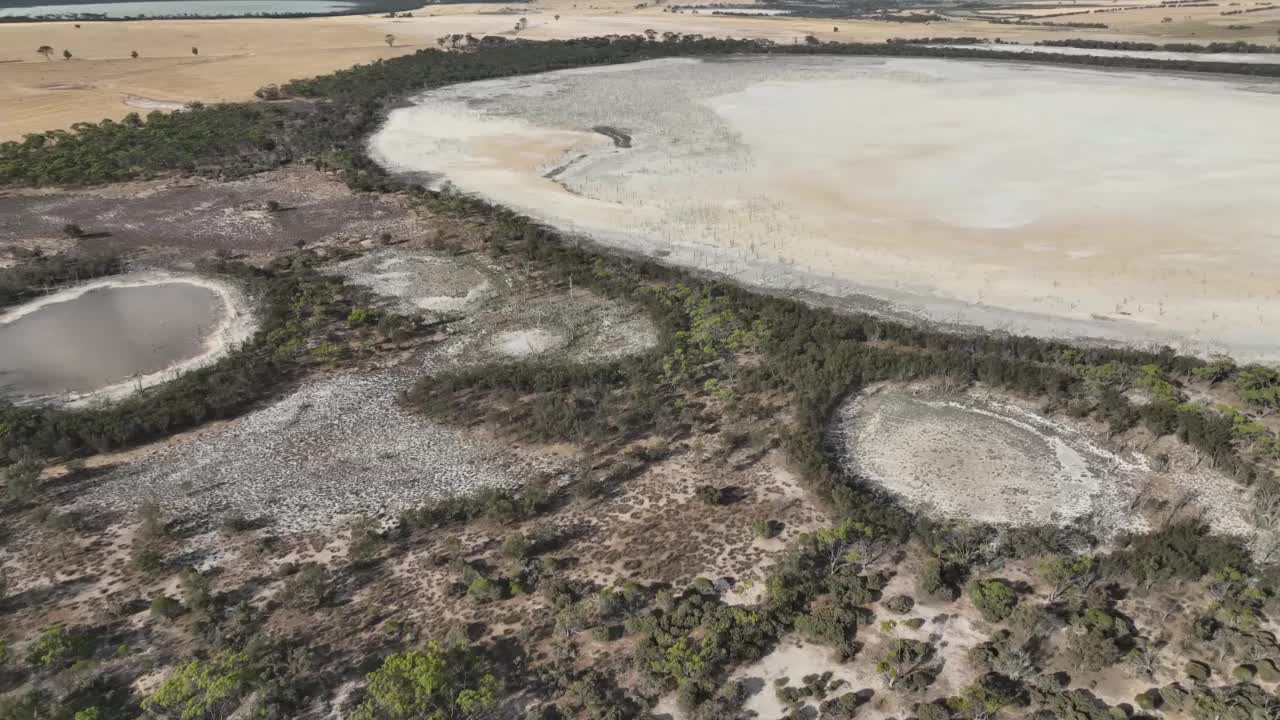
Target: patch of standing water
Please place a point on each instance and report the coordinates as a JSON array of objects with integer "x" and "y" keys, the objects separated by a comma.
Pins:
[
  {"x": 104, "y": 336},
  {"x": 114, "y": 336}
]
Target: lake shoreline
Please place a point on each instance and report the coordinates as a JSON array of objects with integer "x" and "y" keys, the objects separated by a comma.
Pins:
[{"x": 235, "y": 324}]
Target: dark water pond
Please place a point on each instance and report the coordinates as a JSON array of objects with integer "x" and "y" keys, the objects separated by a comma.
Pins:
[{"x": 105, "y": 336}]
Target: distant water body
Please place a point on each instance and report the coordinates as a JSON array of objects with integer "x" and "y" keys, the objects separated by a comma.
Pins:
[{"x": 167, "y": 8}]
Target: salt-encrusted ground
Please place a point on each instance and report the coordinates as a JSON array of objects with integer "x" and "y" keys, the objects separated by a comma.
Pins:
[
  {"x": 339, "y": 446},
  {"x": 1040, "y": 200},
  {"x": 419, "y": 281},
  {"x": 986, "y": 456},
  {"x": 342, "y": 444}
]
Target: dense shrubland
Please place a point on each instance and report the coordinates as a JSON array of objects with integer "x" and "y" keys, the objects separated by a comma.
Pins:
[
  {"x": 223, "y": 140},
  {"x": 1214, "y": 47}
]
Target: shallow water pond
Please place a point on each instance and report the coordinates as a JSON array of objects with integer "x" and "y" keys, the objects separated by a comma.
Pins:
[{"x": 105, "y": 336}]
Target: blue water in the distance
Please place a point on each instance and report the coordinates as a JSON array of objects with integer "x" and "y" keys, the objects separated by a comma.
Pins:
[{"x": 181, "y": 7}]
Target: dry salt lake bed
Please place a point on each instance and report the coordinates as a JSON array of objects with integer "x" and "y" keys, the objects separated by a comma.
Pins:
[{"x": 1118, "y": 205}]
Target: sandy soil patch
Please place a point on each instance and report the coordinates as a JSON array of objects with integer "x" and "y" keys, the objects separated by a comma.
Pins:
[
  {"x": 794, "y": 659},
  {"x": 521, "y": 343},
  {"x": 580, "y": 326},
  {"x": 236, "y": 324},
  {"x": 988, "y": 457},
  {"x": 1116, "y": 244},
  {"x": 419, "y": 281},
  {"x": 142, "y": 103}
]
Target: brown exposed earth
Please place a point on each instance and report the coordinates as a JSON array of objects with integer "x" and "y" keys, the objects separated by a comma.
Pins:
[{"x": 204, "y": 215}]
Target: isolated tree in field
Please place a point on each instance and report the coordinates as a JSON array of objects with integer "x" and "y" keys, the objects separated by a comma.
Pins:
[
  {"x": 134, "y": 54},
  {"x": 46, "y": 51},
  {"x": 195, "y": 50},
  {"x": 557, "y": 18},
  {"x": 390, "y": 40},
  {"x": 66, "y": 54}
]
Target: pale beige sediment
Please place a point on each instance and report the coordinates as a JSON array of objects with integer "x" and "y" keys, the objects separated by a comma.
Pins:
[{"x": 1025, "y": 198}]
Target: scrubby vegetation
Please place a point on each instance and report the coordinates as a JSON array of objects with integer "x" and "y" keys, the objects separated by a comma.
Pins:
[
  {"x": 40, "y": 274},
  {"x": 1215, "y": 47}
]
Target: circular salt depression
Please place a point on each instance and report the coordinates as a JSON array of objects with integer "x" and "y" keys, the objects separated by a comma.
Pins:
[{"x": 982, "y": 459}]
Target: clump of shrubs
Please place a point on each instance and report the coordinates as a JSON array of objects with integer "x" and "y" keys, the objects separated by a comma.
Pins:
[{"x": 995, "y": 598}]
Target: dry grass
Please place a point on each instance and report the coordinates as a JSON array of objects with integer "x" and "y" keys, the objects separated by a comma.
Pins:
[{"x": 239, "y": 56}]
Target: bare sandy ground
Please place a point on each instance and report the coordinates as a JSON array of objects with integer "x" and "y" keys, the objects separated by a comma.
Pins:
[
  {"x": 236, "y": 57},
  {"x": 1031, "y": 199},
  {"x": 964, "y": 458}
]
